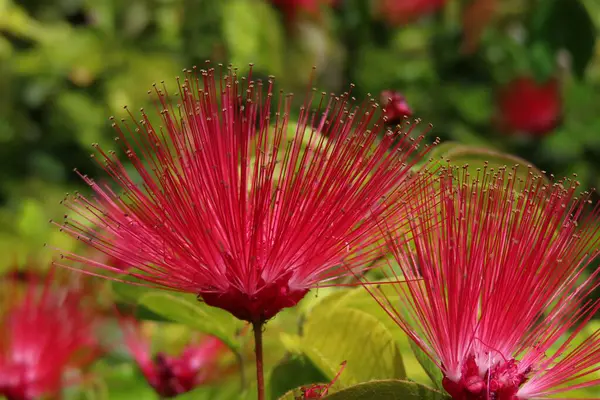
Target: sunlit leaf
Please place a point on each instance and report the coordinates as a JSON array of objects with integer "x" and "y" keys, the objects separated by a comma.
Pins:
[
  {"x": 355, "y": 337},
  {"x": 360, "y": 299},
  {"x": 428, "y": 366},
  {"x": 189, "y": 311}
]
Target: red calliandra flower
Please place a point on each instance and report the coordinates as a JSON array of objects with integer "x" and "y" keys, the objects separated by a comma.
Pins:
[
  {"x": 527, "y": 106},
  {"x": 169, "y": 375},
  {"x": 395, "y": 106},
  {"x": 45, "y": 332},
  {"x": 493, "y": 278},
  {"x": 248, "y": 225},
  {"x": 400, "y": 12}
]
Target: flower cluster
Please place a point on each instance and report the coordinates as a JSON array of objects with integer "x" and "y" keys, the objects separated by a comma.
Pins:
[{"x": 230, "y": 204}]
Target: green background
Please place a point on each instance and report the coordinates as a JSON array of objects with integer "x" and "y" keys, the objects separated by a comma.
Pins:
[{"x": 67, "y": 65}]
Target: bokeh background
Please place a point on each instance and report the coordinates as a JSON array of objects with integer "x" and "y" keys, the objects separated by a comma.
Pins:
[{"x": 515, "y": 76}]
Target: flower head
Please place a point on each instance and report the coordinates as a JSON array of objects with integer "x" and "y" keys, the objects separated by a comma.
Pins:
[
  {"x": 494, "y": 277},
  {"x": 236, "y": 209},
  {"x": 44, "y": 332},
  {"x": 170, "y": 375},
  {"x": 528, "y": 106}
]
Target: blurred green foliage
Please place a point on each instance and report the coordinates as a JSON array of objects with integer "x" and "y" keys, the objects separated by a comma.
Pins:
[{"x": 67, "y": 65}]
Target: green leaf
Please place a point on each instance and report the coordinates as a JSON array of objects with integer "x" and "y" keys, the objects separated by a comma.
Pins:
[
  {"x": 189, "y": 311},
  {"x": 333, "y": 300},
  {"x": 86, "y": 117},
  {"x": 15, "y": 20},
  {"x": 123, "y": 381},
  {"x": 473, "y": 102},
  {"x": 353, "y": 336},
  {"x": 360, "y": 299},
  {"x": 388, "y": 390},
  {"x": 566, "y": 24},
  {"x": 430, "y": 368},
  {"x": 583, "y": 393},
  {"x": 292, "y": 372},
  {"x": 129, "y": 293},
  {"x": 200, "y": 29},
  {"x": 29, "y": 227},
  {"x": 543, "y": 61},
  {"x": 254, "y": 34}
]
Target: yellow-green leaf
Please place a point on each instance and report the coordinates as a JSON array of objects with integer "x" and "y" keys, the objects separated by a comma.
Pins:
[
  {"x": 189, "y": 311},
  {"x": 355, "y": 337},
  {"x": 433, "y": 372},
  {"x": 360, "y": 299}
]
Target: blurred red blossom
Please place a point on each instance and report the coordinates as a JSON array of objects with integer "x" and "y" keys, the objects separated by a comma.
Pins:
[
  {"x": 400, "y": 12},
  {"x": 528, "y": 106},
  {"x": 236, "y": 208},
  {"x": 476, "y": 17},
  {"x": 293, "y": 8},
  {"x": 395, "y": 106},
  {"x": 169, "y": 375},
  {"x": 496, "y": 284},
  {"x": 46, "y": 330}
]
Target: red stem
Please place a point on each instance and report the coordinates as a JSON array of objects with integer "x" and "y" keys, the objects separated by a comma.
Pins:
[{"x": 258, "y": 349}]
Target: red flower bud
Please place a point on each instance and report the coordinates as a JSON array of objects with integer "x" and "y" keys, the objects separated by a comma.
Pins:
[
  {"x": 395, "y": 106},
  {"x": 525, "y": 105}
]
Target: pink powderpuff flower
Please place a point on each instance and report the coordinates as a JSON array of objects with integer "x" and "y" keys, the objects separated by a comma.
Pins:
[
  {"x": 493, "y": 278},
  {"x": 235, "y": 208},
  {"x": 45, "y": 332},
  {"x": 170, "y": 375}
]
